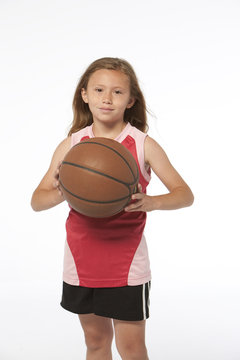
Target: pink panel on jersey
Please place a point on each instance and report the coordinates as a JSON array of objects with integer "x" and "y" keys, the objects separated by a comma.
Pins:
[
  {"x": 139, "y": 265},
  {"x": 69, "y": 268}
]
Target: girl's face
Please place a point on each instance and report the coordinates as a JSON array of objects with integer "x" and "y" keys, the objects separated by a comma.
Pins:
[{"x": 108, "y": 95}]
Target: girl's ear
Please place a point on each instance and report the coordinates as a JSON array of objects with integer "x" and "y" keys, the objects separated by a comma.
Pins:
[
  {"x": 84, "y": 95},
  {"x": 131, "y": 103}
]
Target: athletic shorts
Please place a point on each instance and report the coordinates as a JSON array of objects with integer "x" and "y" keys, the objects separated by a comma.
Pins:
[{"x": 128, "y": 303}]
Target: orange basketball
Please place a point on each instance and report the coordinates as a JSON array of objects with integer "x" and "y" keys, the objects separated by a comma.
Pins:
[{"x": 98, "y": 177}]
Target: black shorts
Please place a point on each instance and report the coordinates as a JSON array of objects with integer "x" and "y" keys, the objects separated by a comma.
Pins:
[{"x": 128, "y": 303}]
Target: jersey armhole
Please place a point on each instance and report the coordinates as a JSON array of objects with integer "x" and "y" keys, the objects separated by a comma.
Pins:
[{"x": 146, "y": 169}]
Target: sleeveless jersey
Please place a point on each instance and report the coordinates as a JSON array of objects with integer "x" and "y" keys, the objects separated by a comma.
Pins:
[{"x": 112, "y": 251}]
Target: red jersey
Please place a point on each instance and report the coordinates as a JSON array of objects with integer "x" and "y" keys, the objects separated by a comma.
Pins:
[{"x": 112, "y": 251}]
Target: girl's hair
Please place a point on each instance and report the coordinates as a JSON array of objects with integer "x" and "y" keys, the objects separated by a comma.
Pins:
[{"x": 136, "y": 115}]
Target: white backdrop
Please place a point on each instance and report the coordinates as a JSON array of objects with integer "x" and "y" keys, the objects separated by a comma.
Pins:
[{"x": 186, "y": 55}]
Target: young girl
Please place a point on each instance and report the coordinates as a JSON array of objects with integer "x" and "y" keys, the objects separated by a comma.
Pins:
[{"x": 106, "y": 275}]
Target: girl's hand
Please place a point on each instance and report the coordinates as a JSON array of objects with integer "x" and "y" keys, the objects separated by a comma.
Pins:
[
  {"x": 143, "y": 202},
  {"x": 56, "y": 183}
]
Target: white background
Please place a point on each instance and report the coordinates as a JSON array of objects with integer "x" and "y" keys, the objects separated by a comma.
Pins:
[{"x": 186, "y": 55}]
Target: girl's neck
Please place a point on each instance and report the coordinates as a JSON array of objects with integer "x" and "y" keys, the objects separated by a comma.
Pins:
[{"x": 108, "y": 130}]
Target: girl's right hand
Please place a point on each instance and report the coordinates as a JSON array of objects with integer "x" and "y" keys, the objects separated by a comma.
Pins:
[{"x": 56, "y": 183}]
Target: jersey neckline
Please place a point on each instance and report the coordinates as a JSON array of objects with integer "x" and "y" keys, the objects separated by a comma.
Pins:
[{"x": 122, "y": 133}]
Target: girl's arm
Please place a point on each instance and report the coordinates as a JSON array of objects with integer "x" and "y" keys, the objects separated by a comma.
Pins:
[
  {"x": 180, "y": 195},
  {"x": 48, "y": 194}
]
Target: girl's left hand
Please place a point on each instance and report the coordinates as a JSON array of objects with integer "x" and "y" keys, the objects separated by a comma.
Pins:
[{"x": 143, "y": 202}]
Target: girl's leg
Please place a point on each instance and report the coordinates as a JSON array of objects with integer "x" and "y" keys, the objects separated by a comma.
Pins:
[
  {"x": 98, "y": 333},
  {"x": 130, "y": 339}
]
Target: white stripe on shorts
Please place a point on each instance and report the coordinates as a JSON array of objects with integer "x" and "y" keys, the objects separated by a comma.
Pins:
[
  {"x": 144, "y": 302},
  {"x": 149, "y": 285}
]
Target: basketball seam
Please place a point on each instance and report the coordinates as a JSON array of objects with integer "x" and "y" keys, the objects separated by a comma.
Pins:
[
  {"x": 109, "y": 147},
  {"x": 94, "y": 201},
  {"x": 99, "y": 173}
]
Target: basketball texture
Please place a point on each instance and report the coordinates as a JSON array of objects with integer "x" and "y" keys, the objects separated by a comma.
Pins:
[{"x": 98, "y": 177}]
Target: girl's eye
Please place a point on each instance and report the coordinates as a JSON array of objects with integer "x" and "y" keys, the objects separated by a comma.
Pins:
[
  {"x": 118, "y": 92},
  {"x": 98, "y": 90}
]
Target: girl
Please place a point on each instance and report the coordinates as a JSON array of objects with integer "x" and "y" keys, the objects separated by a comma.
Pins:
[{"x": 106, "y": 267}]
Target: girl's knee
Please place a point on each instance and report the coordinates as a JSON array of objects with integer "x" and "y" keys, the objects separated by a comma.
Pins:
[
  {"x": 130, "y": 339},
  {"x": 132, "y": 350},
  {"x": 96, "y": 340}
]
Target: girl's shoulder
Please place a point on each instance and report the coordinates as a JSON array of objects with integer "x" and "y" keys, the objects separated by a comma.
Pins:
[
  {"x": 78, "y": 135},
  {"x": 61, "y": 150},
  {"x": 135, "y": 129},
  {"x": 137, "y": 133}
]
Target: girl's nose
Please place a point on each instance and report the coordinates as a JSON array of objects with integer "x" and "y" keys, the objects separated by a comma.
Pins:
[{"x": 107, "y": 98}]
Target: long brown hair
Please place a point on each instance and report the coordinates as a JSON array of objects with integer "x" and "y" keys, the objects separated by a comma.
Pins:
[{"x": 136, "y": 115}]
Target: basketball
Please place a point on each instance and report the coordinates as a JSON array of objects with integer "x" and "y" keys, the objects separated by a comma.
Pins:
[{"x": 98, "y": 177}]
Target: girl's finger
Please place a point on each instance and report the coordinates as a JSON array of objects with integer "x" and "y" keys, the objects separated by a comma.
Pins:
[
  {"x": 137, "y": 196},
  {"x": 133, "y": 207}
]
